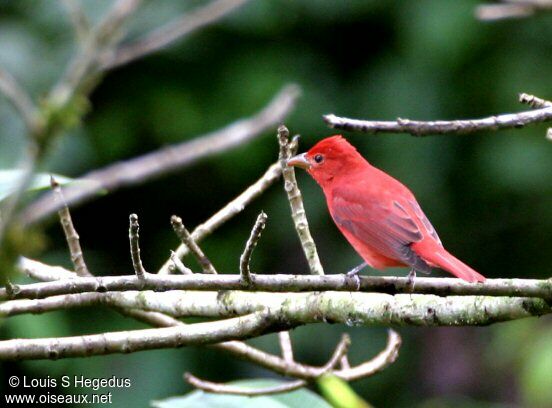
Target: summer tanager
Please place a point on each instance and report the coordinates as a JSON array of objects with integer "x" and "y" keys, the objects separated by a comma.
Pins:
[{"x": 378, "y": 215}]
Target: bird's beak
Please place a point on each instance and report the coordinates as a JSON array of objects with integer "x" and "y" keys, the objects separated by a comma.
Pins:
[{"x": 299, "y": 161}]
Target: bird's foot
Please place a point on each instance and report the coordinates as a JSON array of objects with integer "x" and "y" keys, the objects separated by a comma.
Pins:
[
  {"x": 410, "y": 280},
  {"x": 353, "y": 275},
  {"x": 354, "y": 272}
]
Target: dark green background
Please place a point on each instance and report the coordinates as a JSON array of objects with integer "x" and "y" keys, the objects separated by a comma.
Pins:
[{"x": 489, "y": 195}]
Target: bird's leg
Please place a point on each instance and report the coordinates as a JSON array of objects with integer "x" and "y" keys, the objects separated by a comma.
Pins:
[
  {"x": 354, "y": 272},
  {"x": 410, "y": 280}
]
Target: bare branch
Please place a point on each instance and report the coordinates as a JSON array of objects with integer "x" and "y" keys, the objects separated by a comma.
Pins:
[
  {"x": 136, "y": 340},
  {"x": 292, "y": 309},
  {"x": 285, "y": 345},
  {"x": 178, "y": 265},
  {"x": 275, "y": 283},
  {"x": 534, "y": 101},
  {"x": 171, "y": 32},
  {"x": 189, "y": 241},
  {"x": 167, "y": 159},
  {"x": 231, "y": 209},
  {"x": 344, "y": 363},
  {"x": 71, "y": 235},
  {"x": 537, "y": 103},
  {"x": 511, "y": 9},
  {"x": 419, "y": 128},
  {"x": 156, "y": 319},
  {"x": 78, "y": 18},
  {"x": 42, "y": 272},
  {"x": 383, "y": 360},
  {"x": 85, "y": 63},
  {"x": 296, "y": 203},
  {"x": 218, "y": 388},
  {"x": 250, "y": 245},
  {"x": 339, "y": 352},
  {"x": 134, "y": 238},
  {"x": 19, "y": 99}
]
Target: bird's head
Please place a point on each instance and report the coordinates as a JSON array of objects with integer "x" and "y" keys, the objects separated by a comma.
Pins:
[{"x": 331, "y": 157}]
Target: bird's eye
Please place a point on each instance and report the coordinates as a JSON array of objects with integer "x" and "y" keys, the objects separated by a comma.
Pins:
[{"x": 318, "y": 158}]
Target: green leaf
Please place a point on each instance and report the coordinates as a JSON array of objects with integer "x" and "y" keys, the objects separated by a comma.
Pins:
[
  {"x": 339, "y": 393},
  {"x": 301, "y": 398},
  {"x": 41, "y": 181}
]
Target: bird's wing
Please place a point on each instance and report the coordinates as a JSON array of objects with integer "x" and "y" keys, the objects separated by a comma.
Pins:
[{"x": 388, "y": 226}]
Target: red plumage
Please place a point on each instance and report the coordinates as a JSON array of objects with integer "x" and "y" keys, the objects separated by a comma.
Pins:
[{"x": 378, "y": 215}]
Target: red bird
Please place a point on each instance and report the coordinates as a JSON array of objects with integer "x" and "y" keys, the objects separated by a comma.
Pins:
[{"x": 378, "y": 215}]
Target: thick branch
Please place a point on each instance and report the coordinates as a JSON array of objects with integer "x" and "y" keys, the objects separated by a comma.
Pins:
[
  {"x": 165, "y": 35},
  {"x": 168, "y": 159},
  {"x": 440, "y": 127},
  {"x": 136, "y": 340},
  {"x": 355, "y": 309},
  {"x": 311, "y": 307}
]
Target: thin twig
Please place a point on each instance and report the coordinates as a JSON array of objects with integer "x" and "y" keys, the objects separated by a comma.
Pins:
[
  {"x": 383, "y": 360},
  {"x": 534, "y": 288},
  {"x": 179, "y": 265},
  {"x": 71, "y": 235},
  {"x": 339, "y": 352},
  {"x": 285, "y": 346},
  {"x": 19, "y": 98},
  {"x": 189, "y": 241},
  {"x": 245, "y": 258},
  {"x": 169, "y": 33},
  {"x": 78, "y": 18},
  {"x": 85, "y": 63},
  {"x": 167, "y": 159},
  {"x": 344, "y": 363},
  {"x": 231, "y": 209},
  {"x": 534, "y": 102},
  {"x": 218, "y": 388},
  {"x": 134, "y": 238},
  {"x": 537, "y": 103},
  {"x": 511, "y": 9},
  {"x": 440, "y": 127},
  {"x": 296, "y": 203}
]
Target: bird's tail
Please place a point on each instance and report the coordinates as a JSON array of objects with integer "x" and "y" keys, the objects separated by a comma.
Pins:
[{"x": 441, "y": 258}]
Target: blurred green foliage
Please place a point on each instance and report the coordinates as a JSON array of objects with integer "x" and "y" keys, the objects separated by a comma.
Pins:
[{"x": 489, "y": 195}]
